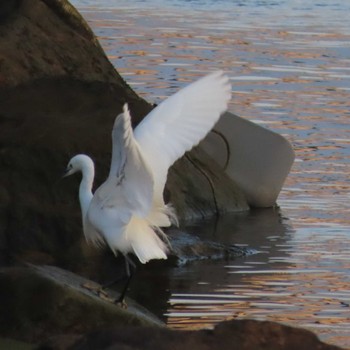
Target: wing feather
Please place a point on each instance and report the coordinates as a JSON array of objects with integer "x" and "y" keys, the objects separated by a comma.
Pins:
[
  {"x": 91, "y": 234},
  {"x": 130, "y": 181},
  {"x": 179, "y": 123}
]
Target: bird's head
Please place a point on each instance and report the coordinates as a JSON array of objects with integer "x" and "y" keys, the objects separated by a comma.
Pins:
[{"x": 77, "y": 163}]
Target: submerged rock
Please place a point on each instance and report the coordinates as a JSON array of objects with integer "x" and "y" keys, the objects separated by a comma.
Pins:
[
  {"x": 186, "y": 248},
  {"x": 230, "y": 335}
]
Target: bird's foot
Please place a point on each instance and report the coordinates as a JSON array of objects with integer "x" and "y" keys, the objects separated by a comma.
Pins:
[
  {"x": 121, "y": 303},
  {"x": 96, "y": 288},
  {"x": 91, "y": 286}
]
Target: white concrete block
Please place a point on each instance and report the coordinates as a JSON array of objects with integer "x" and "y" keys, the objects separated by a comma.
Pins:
[{"x": 257, "y": 159}]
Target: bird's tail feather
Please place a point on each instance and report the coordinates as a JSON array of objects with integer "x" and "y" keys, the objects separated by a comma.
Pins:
[
  {"x": 171, "y": 213},
  {"x": 163, "y": 216},
  {"x": 146, "y": 240}
]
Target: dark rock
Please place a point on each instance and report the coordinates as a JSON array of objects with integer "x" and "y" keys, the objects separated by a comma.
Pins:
[
  {"x": 39, "y": 302},
  {"x": 199, "y": 188},
  {"x": 59, "y": 96},
  {"x": 8, "y": 7},
  {"x": 230, "y": 335},
  {"x": 186, "y": 248}
]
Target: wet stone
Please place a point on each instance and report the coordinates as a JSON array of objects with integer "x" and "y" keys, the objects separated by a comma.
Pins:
[
  {"x": 230, "y": 335},
  {"x": 186, "y": 248},
  {"x": 44, "y": 301}
]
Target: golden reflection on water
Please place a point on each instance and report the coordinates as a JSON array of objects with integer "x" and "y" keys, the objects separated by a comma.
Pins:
[{"x": 293, "y": 80}]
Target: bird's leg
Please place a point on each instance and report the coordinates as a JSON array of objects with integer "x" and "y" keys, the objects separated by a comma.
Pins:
[
  {"x": 128, "y": 262},
  {"x": 130, "y": 268},
  {"x": 113, "y": 282}
]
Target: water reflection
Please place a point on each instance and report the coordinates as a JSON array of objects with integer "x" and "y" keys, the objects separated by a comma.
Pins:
[
  {"x": 298, "y": 277},
  {"x": 241, "y": 228},
  {"x": 198, "y": 281},
  {"x": 207, "y": 292},
  {"x": 289, "y": 65}
]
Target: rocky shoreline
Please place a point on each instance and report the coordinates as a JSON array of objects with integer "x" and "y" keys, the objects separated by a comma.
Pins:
[
  {"x": 59, "y": 96},
  {"x": 56, "y": 309}
]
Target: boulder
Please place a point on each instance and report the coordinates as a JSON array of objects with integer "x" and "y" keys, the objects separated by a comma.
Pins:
[
  {"x": 59, "y": 96},
  {"x": 60, "y": 310},
  {"x": 41, "y": 302},
  {"x": 229, "y": 335}
]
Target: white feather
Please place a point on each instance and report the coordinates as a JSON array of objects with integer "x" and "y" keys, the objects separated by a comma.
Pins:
[
  {"x": 127, "y": 210},
  {"x": 179, "y": 123}
]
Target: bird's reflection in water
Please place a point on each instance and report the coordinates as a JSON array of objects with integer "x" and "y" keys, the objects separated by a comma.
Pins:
[{"x": 258, "y": 229}]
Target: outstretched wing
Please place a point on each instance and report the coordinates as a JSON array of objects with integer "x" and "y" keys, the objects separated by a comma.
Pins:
[
  {"x": 179, "y": 123},
  {"x": 129, "y": 186}
]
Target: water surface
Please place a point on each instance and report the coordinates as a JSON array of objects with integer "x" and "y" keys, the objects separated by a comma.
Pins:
[{"x": 290, "y": 69}]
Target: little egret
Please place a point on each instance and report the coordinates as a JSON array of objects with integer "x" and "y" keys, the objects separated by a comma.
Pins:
[{"x": 127, "y": 211}]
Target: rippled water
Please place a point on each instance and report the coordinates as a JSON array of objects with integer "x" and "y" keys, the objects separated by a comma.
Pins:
[{"x": 289, "y": 62}]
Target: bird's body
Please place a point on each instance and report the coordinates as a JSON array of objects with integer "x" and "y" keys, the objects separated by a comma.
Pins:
[{"x": 127, "y": 211}]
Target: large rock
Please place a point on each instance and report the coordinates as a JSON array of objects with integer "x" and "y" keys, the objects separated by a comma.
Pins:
[
  {"x": 61, "y": 310},
  {"x": 59, "y": 96},
  {"x": 41, "y": 302},
  {"x": 230, "y": 335}
]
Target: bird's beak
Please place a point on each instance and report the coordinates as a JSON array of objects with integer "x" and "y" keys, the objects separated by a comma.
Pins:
[{"x": 66, "y": 173}]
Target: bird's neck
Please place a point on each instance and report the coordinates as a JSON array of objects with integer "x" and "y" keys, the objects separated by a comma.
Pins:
[{"x": 85, "y": 189}]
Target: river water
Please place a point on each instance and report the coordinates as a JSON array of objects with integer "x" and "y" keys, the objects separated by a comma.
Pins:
[{"x": 289, "y": 63}]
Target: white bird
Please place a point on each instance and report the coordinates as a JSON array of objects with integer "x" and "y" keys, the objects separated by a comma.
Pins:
[{"x": 127, "y": 211}]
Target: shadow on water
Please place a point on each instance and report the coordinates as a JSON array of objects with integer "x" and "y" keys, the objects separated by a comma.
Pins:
[
  {"x": 260, "y": 229},
  {"x": 251, "y": 228}
]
